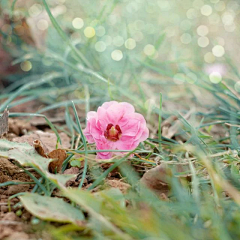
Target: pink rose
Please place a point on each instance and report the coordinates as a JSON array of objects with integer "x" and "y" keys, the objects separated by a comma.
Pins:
[{"x": 115, "y": 126}]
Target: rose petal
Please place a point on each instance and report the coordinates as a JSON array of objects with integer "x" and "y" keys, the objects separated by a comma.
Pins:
[
  {"x": 114, "y": 113},
  {"x": 91, "y": 114},
  {"x": 106, "y": 105},
  {"x": 131, "y": 128}
]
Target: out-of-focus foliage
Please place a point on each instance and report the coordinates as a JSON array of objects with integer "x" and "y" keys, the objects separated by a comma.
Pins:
[
  {"x": 125, "y": 42},
  {"x": 93, "y": 51}
]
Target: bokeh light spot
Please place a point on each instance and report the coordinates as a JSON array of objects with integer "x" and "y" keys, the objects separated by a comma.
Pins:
[
  {"x": 209, "y": 57},
  {"x": 206, "y": 10},
  {"x": 191, "y": 13},
  {"x": 186, "y": 25},
  {"x": 215, "y": 77},
  {"x": 230, "y": 28},
  {"x": 186, "y": 38},
  {"x": 77, "y": 23},
  {"x": 164, "y": 5},
  {"x": 89, "y": 32},
  {"x": 117, "y": 55},
  {"x": 218, "y": 51},
  {"x": 100, "y": 46},
  {"x": 220, "y": 6},
  {"x": 203, "y": 42},
  {"x": 237, "y": 86},
  {"x": 130, "y": 43},
  {"x": 202, "y": 30},
  {"x": 227, "y": 18},
  {"x": 26, "y": 66},
  {"x": 35, "y": 10},
  {"x": 42, "y": 24},
  {"x": 118, "y": 41},
  {"x": 149, "y": 50}
]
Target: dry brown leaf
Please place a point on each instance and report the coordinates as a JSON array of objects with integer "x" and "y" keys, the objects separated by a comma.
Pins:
[
  {"x": 48, "y": 139},
  {"x": 39, "y": 148},
  {"x": 156, "y": 179},
  {"x": 59, "y": 155}
]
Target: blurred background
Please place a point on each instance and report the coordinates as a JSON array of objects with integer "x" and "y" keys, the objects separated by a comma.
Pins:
[
  {"x": 177, "y": 59},
  {"x": 127, "y": 50}
]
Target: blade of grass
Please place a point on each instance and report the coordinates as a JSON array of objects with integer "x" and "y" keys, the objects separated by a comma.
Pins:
[
  {"x": 77, "y": 53},
  {"x": 84, "y": 144},
  {"x": 160, "y": 121},
  {"x": 105, "y": 174},
  {"x": 43, "y": 80}
]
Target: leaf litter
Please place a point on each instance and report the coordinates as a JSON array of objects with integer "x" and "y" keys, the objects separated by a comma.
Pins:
[{"x": 43, "y": 144}]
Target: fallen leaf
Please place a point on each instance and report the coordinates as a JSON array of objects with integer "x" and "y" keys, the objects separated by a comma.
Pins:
[
  {"x": 4, "y": 123},
  {"x": 39, "y": 148},
  {"x": 26, "y": 155},
  {"x": 156, "y": 179},
  {"x": 51, "y": 209},
  {"x": 59, "y": 155},
  {"x": 48, "y": 139}
]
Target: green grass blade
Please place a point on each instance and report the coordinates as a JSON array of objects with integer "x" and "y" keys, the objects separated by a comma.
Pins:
[{"x": 84, "y": 144}]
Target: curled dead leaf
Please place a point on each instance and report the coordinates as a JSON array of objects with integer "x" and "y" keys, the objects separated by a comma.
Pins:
[
  {"x": 59, "y": 155},
  {"x": 39, "y": 147}
]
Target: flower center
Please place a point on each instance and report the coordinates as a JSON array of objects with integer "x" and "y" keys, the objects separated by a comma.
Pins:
[{"x": 113, "y": 133}]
